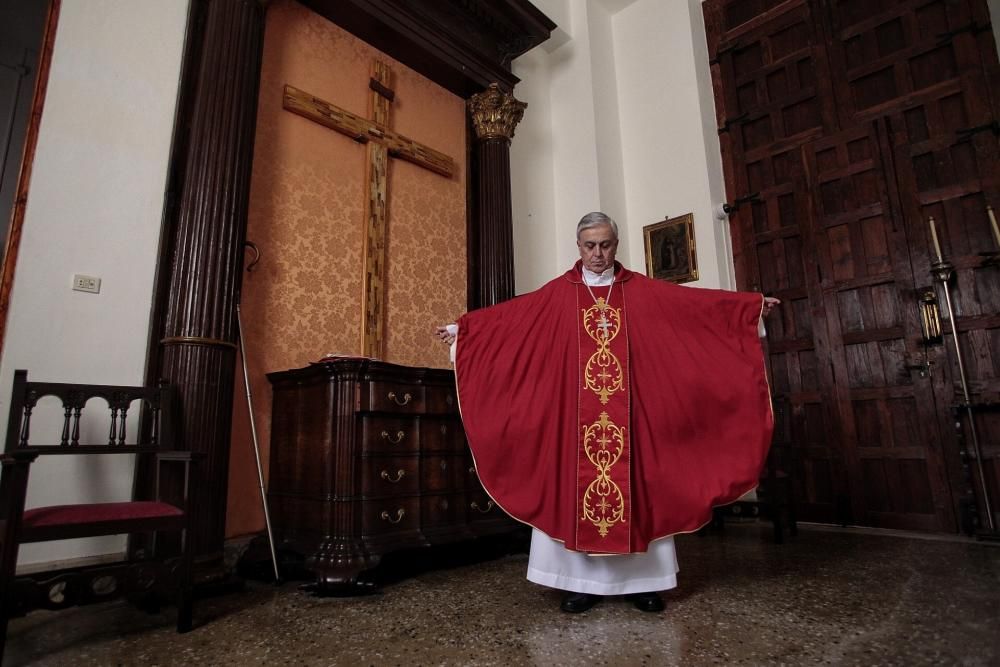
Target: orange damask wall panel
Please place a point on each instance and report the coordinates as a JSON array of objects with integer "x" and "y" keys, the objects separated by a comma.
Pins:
[{"x": 303, "y": 299}]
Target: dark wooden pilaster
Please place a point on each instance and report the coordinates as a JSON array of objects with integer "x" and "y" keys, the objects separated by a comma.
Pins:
[
  {"x": 198, "y": 350},
  {"x": 495, "y": 114},
  {"x": 494, "y": 224}
]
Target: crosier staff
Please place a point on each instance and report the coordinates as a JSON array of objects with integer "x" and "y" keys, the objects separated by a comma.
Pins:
[{"x": 253, "y": 425}]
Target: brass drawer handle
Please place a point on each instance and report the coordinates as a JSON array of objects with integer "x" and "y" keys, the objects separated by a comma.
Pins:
[
  {"x": 399, "y": 437},
  {"x": 475, "y": 506},
  {"x": 406, "y": 398},
  {"x": 400, "y": 474},
  {"x": 400, "y": 513}
]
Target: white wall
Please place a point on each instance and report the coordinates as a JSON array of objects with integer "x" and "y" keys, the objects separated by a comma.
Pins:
[
  {"x": 554, "y": 154},
  {"x": 672, "y": 160},
  {"x": 94, "y": 207},
  {"x": 626, "y": 98},
  {"x": 533, "y": 178}
]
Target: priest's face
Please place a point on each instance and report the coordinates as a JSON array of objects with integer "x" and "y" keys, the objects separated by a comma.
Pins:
[{"x": 598, "y": 246}]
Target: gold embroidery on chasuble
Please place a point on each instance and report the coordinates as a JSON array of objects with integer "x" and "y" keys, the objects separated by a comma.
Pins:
[
  {"x": 603, "y": 373},
  {"x": 604, "y": 459},
  {"x": 603, "y": 503}
]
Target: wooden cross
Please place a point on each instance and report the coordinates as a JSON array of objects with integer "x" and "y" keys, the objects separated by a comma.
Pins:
[{"x": 383, "y": 143}]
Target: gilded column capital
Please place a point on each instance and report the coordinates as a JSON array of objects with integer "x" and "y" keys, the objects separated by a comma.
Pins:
[{"x": 495, "y": 113}]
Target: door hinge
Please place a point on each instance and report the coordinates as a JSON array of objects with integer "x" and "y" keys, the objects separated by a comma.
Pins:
[
  {"x": 966, "y": 133},
  {"x": 721, "y": 51},
  {"x": 732, "y": 208},
  {"x": 733, "y": 121}
]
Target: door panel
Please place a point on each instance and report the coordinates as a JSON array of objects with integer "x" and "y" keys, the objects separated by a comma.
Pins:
[
  {"x": 797, "y": 347},
  {"x": 886, "y": 410},
  {"x": 952, "y": 176},
  {"x": 845, "y": 125},
  {"x": 885, "y": 51},
  {"x": 774, "y": 80}
]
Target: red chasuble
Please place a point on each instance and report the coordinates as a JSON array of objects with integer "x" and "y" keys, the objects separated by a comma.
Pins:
[{"x": 608, "y": 418}]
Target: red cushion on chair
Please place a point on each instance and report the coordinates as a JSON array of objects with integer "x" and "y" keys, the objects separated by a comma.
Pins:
[{"x": 65, "y": 515}]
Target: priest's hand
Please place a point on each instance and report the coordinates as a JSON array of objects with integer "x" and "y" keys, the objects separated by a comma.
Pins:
[
  {"x": 444, "y": 335},
  {"x": 769, "y": 303}
]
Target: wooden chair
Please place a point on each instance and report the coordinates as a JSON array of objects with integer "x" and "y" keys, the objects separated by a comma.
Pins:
[{"x": 162, "y": 568}]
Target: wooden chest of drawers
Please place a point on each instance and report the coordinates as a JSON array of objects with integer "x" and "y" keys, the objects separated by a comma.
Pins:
[{"x": 367, "y": 458}]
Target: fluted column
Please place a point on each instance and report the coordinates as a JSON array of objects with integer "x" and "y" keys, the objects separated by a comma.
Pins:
[
  {"x": 495, "y": 114},
  {"x": 199, "y": 335}
]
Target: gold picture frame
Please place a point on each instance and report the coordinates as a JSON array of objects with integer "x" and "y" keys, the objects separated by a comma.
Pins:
[{"x": 670, "y": 249}]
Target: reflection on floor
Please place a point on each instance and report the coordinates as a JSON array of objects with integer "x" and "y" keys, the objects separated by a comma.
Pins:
[{"x": 824, "y": 597}]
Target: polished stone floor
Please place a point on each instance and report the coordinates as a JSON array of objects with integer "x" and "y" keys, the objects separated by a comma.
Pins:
[{"x": 827, "y": 597}]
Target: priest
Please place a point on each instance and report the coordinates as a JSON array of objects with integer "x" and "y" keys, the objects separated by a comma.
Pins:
[{"x": 610, "y": 412}]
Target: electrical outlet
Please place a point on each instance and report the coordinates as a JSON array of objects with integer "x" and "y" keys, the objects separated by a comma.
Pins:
[{"x": 82, "y": 283}]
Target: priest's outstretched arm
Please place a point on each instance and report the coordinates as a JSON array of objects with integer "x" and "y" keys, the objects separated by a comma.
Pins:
[{"x": 447, "y": 333}]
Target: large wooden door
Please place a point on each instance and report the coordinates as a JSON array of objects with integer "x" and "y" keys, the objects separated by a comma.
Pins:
[
  {"x": 770, "y": 80},
  {"x": 885, "y": 404},
  {"x": 845, "y": 125}
]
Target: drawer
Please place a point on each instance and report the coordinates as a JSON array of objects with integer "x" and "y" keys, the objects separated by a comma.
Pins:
[
  {"x": 441, "y": 473},
  {"x": 441, "y": 400},
  {"x": 393, "y": 397},
  {"x": 469, "y": 472},
  {"x": 390, "y": 515},
  {"x": 442, "y": 510},
  {"x": 441, "y": 435},
  {"x": 479, "y": 506},
  {"x": 390, "y": 476},
  {"x": 390, "y": 435}
]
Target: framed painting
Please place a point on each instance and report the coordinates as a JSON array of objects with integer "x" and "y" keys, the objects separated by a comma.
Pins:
[{"x": 670, "y": 249}]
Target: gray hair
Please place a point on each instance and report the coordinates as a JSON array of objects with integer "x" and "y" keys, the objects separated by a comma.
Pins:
[{"x": 595, "y": 219}]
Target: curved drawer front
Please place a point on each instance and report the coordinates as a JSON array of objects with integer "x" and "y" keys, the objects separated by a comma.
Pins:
[
  {"x": 441, "y": 434},
  {"x": 441, "y": 400},
  {"x": 441, "y": 473},
  {"x": 393, "y": 397},
  {"x": 442, "y": 510},
  {"x": 471, "y": 480},
  {"x": 389, "y": 435},
  {"x": 479, "y": 506},
  {"x": 390, "y": 515},
  {"x": 390, "y": 476}
]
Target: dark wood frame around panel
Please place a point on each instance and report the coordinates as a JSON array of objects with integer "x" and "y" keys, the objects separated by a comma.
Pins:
[{"x": 9, "y": 262}]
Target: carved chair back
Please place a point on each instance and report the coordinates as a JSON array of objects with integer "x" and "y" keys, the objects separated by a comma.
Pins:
[{"x": 146, "y": 416}]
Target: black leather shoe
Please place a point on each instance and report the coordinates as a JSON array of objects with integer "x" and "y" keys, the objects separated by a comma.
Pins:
[
  {"x": 646, "y": 601},
  {"x": 574, "y": 603}
]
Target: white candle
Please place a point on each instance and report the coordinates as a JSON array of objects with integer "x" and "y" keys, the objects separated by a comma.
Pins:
[
  {"x": 934, "y": 239},
  {"x": 993, "y": 224}
]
